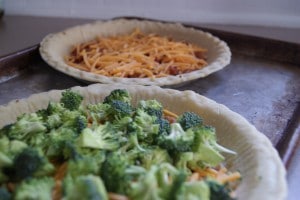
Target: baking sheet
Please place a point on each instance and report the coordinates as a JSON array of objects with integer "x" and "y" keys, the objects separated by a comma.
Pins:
[{"x": 262, "y": 83}]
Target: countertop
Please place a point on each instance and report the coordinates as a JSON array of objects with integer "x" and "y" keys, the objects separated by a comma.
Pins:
[{"x": 19, "y": 32}]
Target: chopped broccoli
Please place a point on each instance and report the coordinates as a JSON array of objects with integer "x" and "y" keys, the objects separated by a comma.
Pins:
[
  {"x": 53, "y": 121},
  {"x": 146, "y": 122},
  {"x": 176, "y": 186},
  {"x": 151, "y": 107},
  {"x": 123, "y": 123},
  {"x": 35, "y": 189},
  {"x": 218, "y": 191},
  {"x": 54, "y": 108},
  {"x": 146, "y": 187},
  {"x": 43, "y": 113},
  {"x": 5, "y": 194},
  {"x": 75, "y": 120},
  {"x": 101, "y": 137},
  {"x": 29, "y": 128},
  {"x": 188, "y": 120},
  {"x": 164, "y": 126},
  {"x": 56, "y": 141},
  {"x": 80, "y": 123},
  {"x": 119, "y": 95},
  {"x": 71, "y": 99},
  {"x": 154, "y": 157},
  {"x": 30, "y": 162},
  {"x": 132, "y": 141},
  {"x": 84, "y": 187},
  {"x": 160, "y": 182},
  {"x": 165, "y": 175},
  {"x": 83, "y": 166},
  {"x": 119, "y": 109},
  {"x": 113, "y": 173},
  {"x": 98, "y": 112},
  {"x": 8, "y": 150},
  {"x": 178, "y": 140},
  {"x": 182, "y": 159},
  {"x": 205, "y": 147},
  {"x": 109, "y": 147},
  {"x": 5, "y": 158},
  {"x": 194, "y": 190},
  {"x": 5, "y": 130}
]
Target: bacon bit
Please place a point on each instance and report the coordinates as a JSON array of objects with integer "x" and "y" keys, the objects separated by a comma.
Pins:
[
  {"x": 11, "y": 186},
  {"x": 173, "y": 70}
]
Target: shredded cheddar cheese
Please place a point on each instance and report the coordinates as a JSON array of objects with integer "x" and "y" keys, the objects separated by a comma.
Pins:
[{"x": 137, "y": 55}]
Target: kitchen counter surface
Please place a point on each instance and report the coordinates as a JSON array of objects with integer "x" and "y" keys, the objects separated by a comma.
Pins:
[{"x": 19, "y": 32}]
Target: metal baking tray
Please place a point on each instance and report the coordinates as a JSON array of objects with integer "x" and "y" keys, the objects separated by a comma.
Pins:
[{"x": 262, "y": 83}]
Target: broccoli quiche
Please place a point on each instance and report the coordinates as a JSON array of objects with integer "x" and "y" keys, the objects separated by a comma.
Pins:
[{"x": 122, "y": 144}]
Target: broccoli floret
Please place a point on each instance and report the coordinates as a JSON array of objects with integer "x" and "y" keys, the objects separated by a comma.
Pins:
[
  {"x": 176, "y": 186},
  {"x": 8, "y": 150},
  {"x": 146, "y": 187},
  {"x": 29, "y": 128},
  {"x": 132, "y": 142},
  {"x": 218, "y": 191},
  {"x": 118, "y": 94},
  {"x": 35, "y": 189},
  {"x": 98, "y": 112},
  {"x": 205, "y": 148},
  {"x": 5, "y": 158},
  {"x": 53, "y": 121},
  {"x": 188, "y": 120},
  {"x": 74, "y": 120},
  {"x": 113, "y": 173},
  {"x": 84, "y": 187},
  {"x": 5, "y": 194},
  {"x": 148, "y": 126},
  {"x": 159, "y": 182},
  {"x": 71, "y": 99},
  {"x": 151, "y": 107},
  {"x": 84, "y": 166},
  {"x": 80, "y": 123},
  {"x": 30, "y": 162},
  {"x": 74, "y": 153},
  {"x": 164, "y": 126},
  {"x": 182, "y": 159},
  {"x": 194, "y": 190},
  {"x": 154, "y": 157},
  {"x": 165, "y": 175},
  {"x": 101, "y": 137},
  {"x": 5, "y": 130},
  {"x": 178, "y": 140},
  {"x": 54, "y": 108},
  {"x": 119, "y": 109},
  {"x": 43, "y": 113},
  {"x": 56, "y": 141}
]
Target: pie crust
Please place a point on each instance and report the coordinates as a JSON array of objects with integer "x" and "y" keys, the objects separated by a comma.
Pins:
[
  {"x": 263, "y": 174},
  {"x": 55, "y": 46}
]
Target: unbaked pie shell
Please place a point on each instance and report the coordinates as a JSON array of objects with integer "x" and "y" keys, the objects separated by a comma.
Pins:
[
  {"x": 55, "y": 46},
  {"x": 263, "y": 174}
]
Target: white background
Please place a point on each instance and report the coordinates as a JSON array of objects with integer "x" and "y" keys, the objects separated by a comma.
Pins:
[{"x": 278, "y": 13}]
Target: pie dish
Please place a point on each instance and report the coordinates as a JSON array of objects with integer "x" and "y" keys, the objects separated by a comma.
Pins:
[
  {"x": 54, "y": 47},
  {"x": 258, "y": 162}
]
